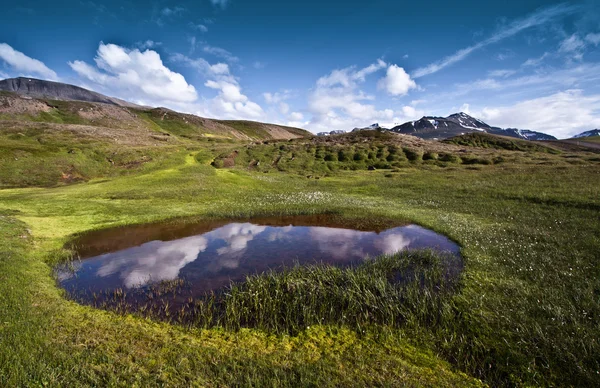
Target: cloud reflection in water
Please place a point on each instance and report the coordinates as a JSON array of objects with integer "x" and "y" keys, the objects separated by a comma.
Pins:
[{"x": 238, "y": 249}]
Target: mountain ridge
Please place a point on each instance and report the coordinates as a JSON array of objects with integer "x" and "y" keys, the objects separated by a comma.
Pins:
[
  {"x": 590, "y": 133},
  {"x": 37, "y": 88},
  {"x": 456, "y": 124}
]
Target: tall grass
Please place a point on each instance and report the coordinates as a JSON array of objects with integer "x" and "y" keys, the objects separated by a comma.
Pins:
[{"x": 411, "y": 287}]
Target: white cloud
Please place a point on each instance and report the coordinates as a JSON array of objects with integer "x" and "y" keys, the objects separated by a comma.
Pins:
[
  {"x": 570, "y": 44},
  {"x": 410, "y": 113},
  {"x": 220, "y": 53},
  {"x": 296, "y": 116},
  {"x": 175, "y": 11},
  {"x": 561, "y": 114},
  {"x": 284, "y": 108},
  {"x": 203, "y": 66},
  {"x": 199, "y": 27},
  {"x": 133, "y": 74},
  {"x": 538, "y": 18},
  {"x": 220, "y": 3},
  {"x": 153, "y": 261},
  {"x": 571, "y": 77},
  {"x": 501, "y": 73},
  {"x": 277, "y": 97},
  {"x": 148, "y": 44},
  {"x": 337, "y": 102},
  {"x": 593, "y": 38},
  {"x": 533, "y": 62},
  {"x": 230, "y": 103},
  {"x": 25, "y": 65},
  {"x": 397, "y": 82}
]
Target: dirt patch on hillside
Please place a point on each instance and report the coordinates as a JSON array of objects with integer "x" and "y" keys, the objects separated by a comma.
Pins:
[
  {"x": 22, "y": 105},
  {"x": 110, "y": 116},
  {"x": 279, "y": 133},
  {"x": 134, "y": 136}
]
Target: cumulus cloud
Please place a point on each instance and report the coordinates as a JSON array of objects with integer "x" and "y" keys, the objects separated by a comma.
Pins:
[
  {"x": 230, "y": 103},
  {"x": 336, "y": 102},
  {"x": 396, "y": 82},
  {"x": 25, "y": 65},
  {"x": 135, "y": 74},
  {"x": 154, "y": 261},
  {"x": 561, "y": 114}
]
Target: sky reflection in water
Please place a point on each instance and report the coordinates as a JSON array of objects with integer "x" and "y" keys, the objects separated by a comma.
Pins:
[{"x": 211, "y": 260}]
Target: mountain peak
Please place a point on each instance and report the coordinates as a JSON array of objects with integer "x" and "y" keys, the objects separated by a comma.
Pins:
[
  {"x": 593, "y": 132},
  {"x": 432, "y": 127}
]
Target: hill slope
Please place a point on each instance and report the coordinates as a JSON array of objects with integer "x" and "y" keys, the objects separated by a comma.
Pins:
[{"x": 51, "y": 102}]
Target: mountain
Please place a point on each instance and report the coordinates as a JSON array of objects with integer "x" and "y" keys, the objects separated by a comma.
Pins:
[
  {"x": 370, "y": 127},
  {"x": 38, "y": 88},
  {"x": 432, "y": 127},
  {"x": 593, "y": 132},
  {"x": 73, "y": 109}
]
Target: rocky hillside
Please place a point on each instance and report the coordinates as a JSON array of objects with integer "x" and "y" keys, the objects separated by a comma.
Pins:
[{"x": 30, "y": 100}]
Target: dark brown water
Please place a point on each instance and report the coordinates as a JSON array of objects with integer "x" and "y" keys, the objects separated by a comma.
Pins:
[{"x": 208, "y": 256}]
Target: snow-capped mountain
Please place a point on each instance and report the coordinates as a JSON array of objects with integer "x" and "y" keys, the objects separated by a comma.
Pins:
[
  {"x": 431, "y": 127},
  {"x": 370, "y": 127},
  {"x": 593, "y": 132},
  {"x": 335, "y": 132}
]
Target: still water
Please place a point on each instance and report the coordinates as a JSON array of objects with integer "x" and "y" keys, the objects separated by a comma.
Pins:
[{"x": 209, "y": 256}]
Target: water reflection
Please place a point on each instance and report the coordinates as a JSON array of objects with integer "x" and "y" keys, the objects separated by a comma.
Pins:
[{"x": 211, "y": 260}]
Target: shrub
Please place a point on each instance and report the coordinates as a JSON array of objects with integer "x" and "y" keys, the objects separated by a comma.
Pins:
[
  {"x": 430, "y": 156},
  {"x": 413, "y": 155}
]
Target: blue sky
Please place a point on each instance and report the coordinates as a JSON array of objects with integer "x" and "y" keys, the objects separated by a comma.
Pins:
[{"x": 322, "y": 65}]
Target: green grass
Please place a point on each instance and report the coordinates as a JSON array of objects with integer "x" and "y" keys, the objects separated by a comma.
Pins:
[
  {"x": 485, "y": 140},
  {"x": 593, "y": 139},
  {"x": 524, "y": 313},
  {"x": 409, "y": 289}
]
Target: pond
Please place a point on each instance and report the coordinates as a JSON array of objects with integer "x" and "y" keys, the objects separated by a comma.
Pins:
[{"x": 207, "y": 256}]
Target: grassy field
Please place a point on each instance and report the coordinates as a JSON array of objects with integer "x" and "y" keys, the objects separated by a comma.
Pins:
[{"x": 525, "y": 312}]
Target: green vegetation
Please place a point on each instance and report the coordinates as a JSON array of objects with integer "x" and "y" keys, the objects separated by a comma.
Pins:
[
  {"x": 593, "y": 139},
  {"x": 485, "y": 140},
  {"x": 525, "y": 311},
  {"x": 406, "y": 289}
]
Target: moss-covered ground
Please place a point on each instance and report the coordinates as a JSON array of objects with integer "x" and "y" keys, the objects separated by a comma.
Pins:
[{"x": 526, "y": 311}]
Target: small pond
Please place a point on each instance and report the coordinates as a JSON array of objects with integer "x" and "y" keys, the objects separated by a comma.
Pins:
[{"x": 207, "y": 256}]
